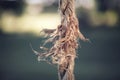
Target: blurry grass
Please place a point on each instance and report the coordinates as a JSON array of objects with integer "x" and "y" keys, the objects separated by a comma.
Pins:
[
  {"x": 28, "y": 23},
  {"x": 109, "y": 18},
  {"x": 98, "y": 60}
]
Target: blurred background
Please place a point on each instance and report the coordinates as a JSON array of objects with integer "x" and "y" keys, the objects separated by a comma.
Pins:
[{"x": 22, "y": 20}]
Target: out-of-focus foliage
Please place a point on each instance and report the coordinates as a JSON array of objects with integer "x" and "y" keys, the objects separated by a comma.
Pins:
[
  {"x": 112, "y": 5},
  {"x": 24, "y": 17},
  {"x": 105, "y": 13},
  {"x": 21, "y": 16},
  {"x": 97, "y": 19}
]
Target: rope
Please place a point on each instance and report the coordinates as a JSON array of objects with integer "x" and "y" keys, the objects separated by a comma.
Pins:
[
  {"x": 64, "y": 39},
  {"x": 66, "y": 8},
  {"x": 69, "y": 22}
]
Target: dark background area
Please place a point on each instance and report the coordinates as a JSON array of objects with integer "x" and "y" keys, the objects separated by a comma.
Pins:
[{"x": 98, "y": 60}]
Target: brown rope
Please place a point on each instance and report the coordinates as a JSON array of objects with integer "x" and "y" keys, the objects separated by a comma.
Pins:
[
  {"x": 64, "y": 39},
  {"x": 69, "y": 21}
]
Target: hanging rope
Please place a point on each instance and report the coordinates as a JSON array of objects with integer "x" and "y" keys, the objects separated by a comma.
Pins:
[
  {"x": 69, "y": 23},
  {"x": 64, "y": 39}
]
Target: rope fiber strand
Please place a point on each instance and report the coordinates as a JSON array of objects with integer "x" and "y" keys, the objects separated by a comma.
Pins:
[{"x": 64, "y": 40}]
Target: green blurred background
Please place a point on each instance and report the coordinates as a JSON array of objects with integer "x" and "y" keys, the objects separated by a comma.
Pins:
[{"x": 22, "y": 20}]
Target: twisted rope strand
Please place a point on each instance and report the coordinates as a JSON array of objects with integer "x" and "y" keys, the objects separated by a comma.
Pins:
[{"x": 64, "y": 39}]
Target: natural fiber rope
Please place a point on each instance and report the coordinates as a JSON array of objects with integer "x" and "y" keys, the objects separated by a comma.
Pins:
[
  {"x": 69, "y": 21},
  {"x": 66, "y": 8},
  {"x": 64, "y": 39}
]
